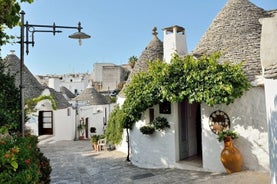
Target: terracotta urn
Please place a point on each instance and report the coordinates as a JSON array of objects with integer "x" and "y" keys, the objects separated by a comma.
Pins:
[{"x": 231, "y": 157}]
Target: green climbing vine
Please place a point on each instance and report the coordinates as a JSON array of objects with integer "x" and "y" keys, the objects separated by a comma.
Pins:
[
  {"x": 201, "y": 80},
  {"x": 114, "y": 128},
  {"x": 31, "y": 103}
]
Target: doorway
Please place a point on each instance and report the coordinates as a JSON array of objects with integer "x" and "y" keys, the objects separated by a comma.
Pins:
[
  {"x": 189, "y": 130},
  {"x": 45, "y": 123}
]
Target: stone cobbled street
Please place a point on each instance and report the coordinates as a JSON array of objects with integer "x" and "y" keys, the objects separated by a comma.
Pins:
[{"x": 74, "y": 162}]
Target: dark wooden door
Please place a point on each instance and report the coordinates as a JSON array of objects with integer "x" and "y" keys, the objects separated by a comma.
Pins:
[{"x": 45, "y": 119}]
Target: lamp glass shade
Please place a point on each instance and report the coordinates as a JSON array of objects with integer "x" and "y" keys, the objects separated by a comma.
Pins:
[{"x": 79, "y": 35}]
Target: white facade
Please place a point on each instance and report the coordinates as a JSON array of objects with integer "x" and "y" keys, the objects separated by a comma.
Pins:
[
  {"x": 162, "y": 149},
  {"x": 158, "y": 150},
  {"x": 97, "y": 72},
  {"x": 107, "y": 76},
  {"x": 268, "y": 58},
  {"x": 76, "y": 83},
  {"x": 165, "y": 149},
  {"x": 96, "y": 115},
  {"x": 271, "y": 105},
  {"x": 63, "y": 120},
  {"x": 248, "y": 119}
]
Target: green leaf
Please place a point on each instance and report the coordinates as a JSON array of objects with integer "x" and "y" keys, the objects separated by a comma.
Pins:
[{"x": 14, "y": 164}]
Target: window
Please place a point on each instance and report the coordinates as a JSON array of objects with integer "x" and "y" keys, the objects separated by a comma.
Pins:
[
  {"x": 151, "y": 114},
  {"x": 165, "y": 107}
]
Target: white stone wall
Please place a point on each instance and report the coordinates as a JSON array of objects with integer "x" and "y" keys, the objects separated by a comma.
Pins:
[
  {"x": 64, "y": 124},
  {"x": 73, "y": 82},
  {"x": 111, "y": 77},
  {"x": 157, "y": 150},
  {"x": 96, "y": 116},
  {"x": 271, "y": 105},
  {"x": 248, "y": 119}
]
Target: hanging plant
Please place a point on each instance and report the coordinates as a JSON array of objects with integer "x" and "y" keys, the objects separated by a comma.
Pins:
[
  {"x": 160, "y": 123},
  {"x": 147, "y": 130}
]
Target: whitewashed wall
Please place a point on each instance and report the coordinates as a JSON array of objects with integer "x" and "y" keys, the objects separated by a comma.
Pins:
[
  {"x": 157, "y": 150},
  {"x": 95, "y": 115},
  {"x": 248, "y": 119},
  {"x": 64, "y": 124},
  {"x": 271, "y": 105}
]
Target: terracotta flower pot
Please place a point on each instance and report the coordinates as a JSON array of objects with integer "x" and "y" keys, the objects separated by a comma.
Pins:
[
  {"x": 95, "y": 146},
  {"x": 231, "y": 157}
]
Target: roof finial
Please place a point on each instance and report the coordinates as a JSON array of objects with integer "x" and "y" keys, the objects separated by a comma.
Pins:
[{"x": 154, "y": 31}]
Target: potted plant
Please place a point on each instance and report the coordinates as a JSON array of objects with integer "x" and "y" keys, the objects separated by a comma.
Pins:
[
  {"x": 231, "y": 157},
  {"x": 160, "y": 123},
  {"x": 81, "y": 129},
  {"x": 147, "y": 130},
  {"x": 94, "y": 141},
  {"x": 222, "y": 135}
]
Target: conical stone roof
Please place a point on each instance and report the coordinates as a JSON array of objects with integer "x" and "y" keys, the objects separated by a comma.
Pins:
[
  {"x": 153, "y": 51},
  {"x": 236, "y": 32},
  {"x": 32, "y": 88},
  {"x": 67, "y": 92},
  {"x": 91, "y": 97}
]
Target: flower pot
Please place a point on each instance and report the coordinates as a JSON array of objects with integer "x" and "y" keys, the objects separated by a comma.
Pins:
[
  {"x": 95, "y": 146},
  {"x": 231, "y": 157}
]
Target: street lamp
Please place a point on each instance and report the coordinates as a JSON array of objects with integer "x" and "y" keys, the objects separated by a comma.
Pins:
[{"x": 24, "y": 39}]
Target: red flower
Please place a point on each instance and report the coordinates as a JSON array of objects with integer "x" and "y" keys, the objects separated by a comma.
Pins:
[
  {"x": 7, "y": 155},
  {"x": 28, "y": 161}
]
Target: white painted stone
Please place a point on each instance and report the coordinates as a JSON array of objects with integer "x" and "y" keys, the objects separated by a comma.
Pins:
[
  {"x": 248, "y": 119},
  {"x": 268, "y": 41},
  {"x": 174, "y": 42},
  {"x": 271, "y": 105}
]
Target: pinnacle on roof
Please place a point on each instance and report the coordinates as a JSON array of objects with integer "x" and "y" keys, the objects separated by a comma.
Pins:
[{"x": 153, "y": 51}]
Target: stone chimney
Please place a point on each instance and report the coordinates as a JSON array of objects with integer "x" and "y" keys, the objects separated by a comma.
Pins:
[
  {"x": 174, "y": 42},
  {"x": 268, "y": 42}
]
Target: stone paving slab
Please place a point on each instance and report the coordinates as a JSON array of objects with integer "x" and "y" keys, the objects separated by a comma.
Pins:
[{"x": 74, "y": 162}]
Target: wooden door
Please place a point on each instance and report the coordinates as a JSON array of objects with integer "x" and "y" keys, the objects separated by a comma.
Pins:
[{"x": 45, "y": 119}]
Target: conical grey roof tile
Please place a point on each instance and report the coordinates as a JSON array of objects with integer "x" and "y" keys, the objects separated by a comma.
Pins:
[
  {"x": 60, "y": 100},
  {"x": 153, "y": 51},
  {"x": 67, "y": 92},
  {"x": 32, "y": 88},
  {"x": 91, "y": 97},
  {"x": 236, "y": 32}
]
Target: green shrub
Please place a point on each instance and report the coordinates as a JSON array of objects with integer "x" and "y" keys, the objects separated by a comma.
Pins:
[{"x": 21, "y": 161}]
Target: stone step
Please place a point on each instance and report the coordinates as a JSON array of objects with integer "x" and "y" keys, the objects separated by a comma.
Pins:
[{"x": 46, "y": 139}]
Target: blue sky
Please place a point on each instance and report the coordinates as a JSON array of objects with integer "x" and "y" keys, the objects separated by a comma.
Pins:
[{"x": 119, "y": 29}]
